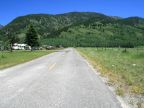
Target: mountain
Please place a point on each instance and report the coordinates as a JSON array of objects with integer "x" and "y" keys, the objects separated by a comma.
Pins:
[
  {"x": 46, "y": 24},
  {"x": 1, "y": 26},
  {"x": 80, "y": 29},
  {"x": 99, "y": 34},
  {"x": 133, "y": 21}
]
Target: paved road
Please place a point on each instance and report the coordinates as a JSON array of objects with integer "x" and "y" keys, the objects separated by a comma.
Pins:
[{"x": 59, "y": 80}]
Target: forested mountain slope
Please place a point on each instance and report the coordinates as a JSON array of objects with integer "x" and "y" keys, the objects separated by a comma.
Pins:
[{"x": 80, "y": 29}]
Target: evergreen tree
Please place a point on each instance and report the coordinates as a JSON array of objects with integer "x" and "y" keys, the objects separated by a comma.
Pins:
[
  {"x": 32, "y": 38},
  {"x": 11, "y": 39}
]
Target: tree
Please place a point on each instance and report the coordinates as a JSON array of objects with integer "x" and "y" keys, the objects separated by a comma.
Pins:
[
  {"x": 11, "y": 39},
  {"x": 32, "y": 38}
]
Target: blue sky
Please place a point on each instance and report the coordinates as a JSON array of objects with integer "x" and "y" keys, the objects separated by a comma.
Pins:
[{"x": 10, "y": 9}]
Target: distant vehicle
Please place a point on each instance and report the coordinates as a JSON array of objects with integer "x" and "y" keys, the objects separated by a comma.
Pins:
[
  {"x": 17, "y": 46},
  {"x": 50, "y": 47}
]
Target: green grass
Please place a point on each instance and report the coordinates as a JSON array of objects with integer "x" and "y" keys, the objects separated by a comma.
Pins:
[
  {"x": 124, "y": 69},
  {"x": 8, "y": 59}
]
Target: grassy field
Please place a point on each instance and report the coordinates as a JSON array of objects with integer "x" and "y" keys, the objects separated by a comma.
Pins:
[
  {"x": 125, "y": 70},
  {"x": 8, "y": 59}
]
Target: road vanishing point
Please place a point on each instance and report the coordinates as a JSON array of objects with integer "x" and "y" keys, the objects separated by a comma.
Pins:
[{"x": 59, "y": 80}]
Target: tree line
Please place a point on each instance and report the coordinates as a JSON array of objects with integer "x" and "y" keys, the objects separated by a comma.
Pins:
[{"x": 31, "y": 39}]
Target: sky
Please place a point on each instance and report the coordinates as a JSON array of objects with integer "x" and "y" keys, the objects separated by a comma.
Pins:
[{"x": 10, "y": 9}]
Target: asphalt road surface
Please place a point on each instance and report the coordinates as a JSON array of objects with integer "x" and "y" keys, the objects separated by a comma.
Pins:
[{"x": 59, "y": 80}]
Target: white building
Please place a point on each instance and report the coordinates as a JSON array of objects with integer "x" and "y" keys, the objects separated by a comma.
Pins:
[{"x": 17, "y": 46}]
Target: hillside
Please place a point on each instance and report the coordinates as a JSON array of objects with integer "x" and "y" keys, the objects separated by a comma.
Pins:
[
  {"x": 81, "y": 29},
  {"x": 99, "y": 34},
  {"x": 133, "y": 21},
  {"x": 46, "y": 24}
]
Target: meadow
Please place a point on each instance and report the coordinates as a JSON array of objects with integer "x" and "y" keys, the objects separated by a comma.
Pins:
[
  {"x": 8, "y": 59},
  {"x": 124, "y": 69}
]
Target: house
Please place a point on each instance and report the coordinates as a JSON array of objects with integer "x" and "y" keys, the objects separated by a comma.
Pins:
[{"x": 17, "y": 46}]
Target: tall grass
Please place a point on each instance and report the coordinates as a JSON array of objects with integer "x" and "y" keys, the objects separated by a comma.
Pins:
[{"x": 124, "y": 69}]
